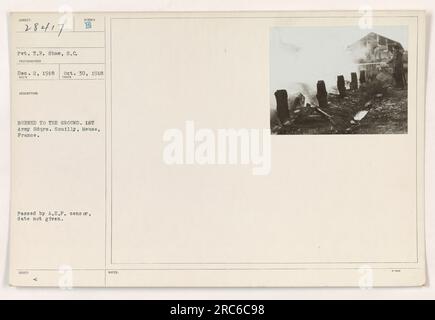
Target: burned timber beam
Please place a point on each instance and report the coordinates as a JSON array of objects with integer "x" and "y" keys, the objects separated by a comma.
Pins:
[
  {"x": 282, "y": 105},
  {"x": 362, "y": 76},
  {"x": 322, "y": 95},
  {"x": 341, "y": 86},
  {"x": 353, "y": 81}
]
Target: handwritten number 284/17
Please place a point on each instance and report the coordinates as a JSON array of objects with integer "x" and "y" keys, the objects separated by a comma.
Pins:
[{"x": 44, "y": 27}]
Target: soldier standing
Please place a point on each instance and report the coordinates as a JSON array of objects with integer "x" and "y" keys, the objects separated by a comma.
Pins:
[{"x": 397, "y": 63}]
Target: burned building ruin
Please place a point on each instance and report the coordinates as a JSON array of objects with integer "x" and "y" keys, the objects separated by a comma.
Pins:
[{"x": 381, "y": 67}]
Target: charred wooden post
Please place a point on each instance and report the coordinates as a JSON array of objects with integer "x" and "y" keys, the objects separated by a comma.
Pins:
[
  {"x": 282, "y": 105},
  {"x": 341, "y": 86},
  {"x": 362, "y": 76},
  {"x": 322, "y": 95},
  {"x": 353, "y": 81}
]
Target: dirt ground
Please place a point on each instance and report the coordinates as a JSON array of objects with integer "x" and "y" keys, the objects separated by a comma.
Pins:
[{"x": 386, "y": 113}]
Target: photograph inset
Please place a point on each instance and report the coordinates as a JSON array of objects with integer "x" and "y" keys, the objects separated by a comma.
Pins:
[{"x": 338, "y": 80}]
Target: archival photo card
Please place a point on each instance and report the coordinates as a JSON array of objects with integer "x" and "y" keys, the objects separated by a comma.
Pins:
[{"x": 217, "y": 149}]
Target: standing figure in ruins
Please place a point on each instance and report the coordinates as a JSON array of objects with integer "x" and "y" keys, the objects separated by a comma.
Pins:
[{"x": 397, "y": 63}]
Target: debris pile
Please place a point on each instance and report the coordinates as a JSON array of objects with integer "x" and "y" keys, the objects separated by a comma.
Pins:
[{"x": 370, "y": 106}]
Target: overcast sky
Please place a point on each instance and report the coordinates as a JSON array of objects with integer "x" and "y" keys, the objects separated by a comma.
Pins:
[{"x": 307, "y": 54}]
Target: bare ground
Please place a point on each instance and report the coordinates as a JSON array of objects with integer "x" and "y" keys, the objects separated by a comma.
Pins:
[{"x": 386, "y": 106}]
